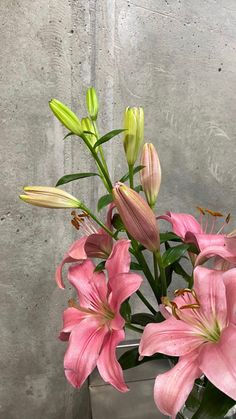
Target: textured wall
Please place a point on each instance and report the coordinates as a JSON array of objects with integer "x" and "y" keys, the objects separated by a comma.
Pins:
[{"x": 176, "y": 58}]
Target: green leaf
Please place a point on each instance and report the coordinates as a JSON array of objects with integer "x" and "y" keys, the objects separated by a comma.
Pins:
[
  {"x": 100, "y": 266},
  {"x": 180, "y": 271},
  {"x": 138, "y": 188},
  {"x": 104, "y": 201},
  {"x": 125, "y": 310},
  {"x": 135, "y": 266},
  {"x": 126, "y": 176},
  {"x": 74, "y": 176},
  {"x": 68, "y": 135},
  {"x": 117, "y": 222},
  {"x": 142, "y": 319},
  {"x": 173, "y": 254},
  {"x": 108, "y": 137},
  {"x": 164, "y": 237},
  {"x": 214, "y": 405},
  {"x": 90, "y": 133},
  {"x": 130, "y": 359}
]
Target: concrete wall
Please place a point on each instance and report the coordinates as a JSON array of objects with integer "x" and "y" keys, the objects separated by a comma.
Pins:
[{"x": 177, "y": 58}]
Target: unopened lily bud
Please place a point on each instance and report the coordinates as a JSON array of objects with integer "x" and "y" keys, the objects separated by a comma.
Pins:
[
  {"x": 49, "y": 197},
  {"x": 150, "y": 175},
  {"x": 88, "y": 126},
  {"x": 137, "y": 216},
  {"x": 92, "y": 103},
  {"x": 66, "y": 117},
  {"x": 133, "y": 136}
]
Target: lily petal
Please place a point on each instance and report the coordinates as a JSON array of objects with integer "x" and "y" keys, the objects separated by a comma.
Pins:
[
  {"x": 182, "y": 223},
  {"x": 90, "y": 285},
  {"x": 119, "y": 260},
  {"x": 98, "y": 245},
  {"x": 210, "y": 290},
  {"x": 108, "y": 366},
  {"x": 75, "y": 253},
  {"x": 171, "y": 337},
  {"x": 173, "y": 387},
  {"x": 125, "y": 285},
  {"x": 202, "y": 240},
  {"x": 229, "y": 279},
  {"x": 84, "y": 347},
  {"x": 212, "y": 251},
  {"x": 71, "y": 317},
  {"x": 218, "y": 362}
]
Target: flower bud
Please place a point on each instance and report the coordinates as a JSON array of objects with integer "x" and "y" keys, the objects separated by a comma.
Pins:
[
  {"x": 92, "y": 103},
  {"x": 66, "y": 117},
  {"x": 150, "y": 175},
  {"x": 133, "y": 136},
  {"x": 49, "y": 197},
  {"x": 137, "y": 216},
  {"x": 88, "y": 126}
]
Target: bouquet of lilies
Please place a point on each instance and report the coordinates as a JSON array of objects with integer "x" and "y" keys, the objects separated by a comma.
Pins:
[{"x": 195, "y": 327}]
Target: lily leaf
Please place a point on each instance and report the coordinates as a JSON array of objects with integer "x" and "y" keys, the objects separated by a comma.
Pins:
[
  {"x": 130, "y": 358},
  {"x": 100, "y": 266},
  {"x": 142, "y": 319},
  {"x": 68, "y": 135},
  {"x": 135, "y": 266},
  {"x": 125, "y": 310},
  {"x": 138, "y": 188},
  {"x": 173, "y": 254},
  {"x": 74, "y": 176},
  {"x": 108, "y": 137},
  {"x": 171, "y": 237},
  {"x": 214, "y": 405},
  {"x": 104, "y": 201},
  {"x": 126, "y": 176}
]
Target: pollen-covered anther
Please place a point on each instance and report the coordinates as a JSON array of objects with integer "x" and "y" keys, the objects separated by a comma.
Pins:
[
  {"x": 213, "y": 213},
  {"x": 77, "y": 219},
  {"x": 227, "y": 220},
  {"x": 181, "y": 292},
  {"x": 72, "y": 303},
  {"x": 189, "y": 306},
  {"x": 201, "y": 210},
  {"x": 174, "y": 308}
]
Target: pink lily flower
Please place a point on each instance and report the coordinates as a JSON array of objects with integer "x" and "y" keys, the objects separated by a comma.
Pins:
[
  {"x": 225, "y": 255},
  {"x": 202, "y": 332},
  {"x": 191, "y": 231},
  {"x": 94, "y": 326},
  {"x": 96, "y": 243}
]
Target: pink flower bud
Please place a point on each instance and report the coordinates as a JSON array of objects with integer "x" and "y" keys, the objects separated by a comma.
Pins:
[
  {"x": 150, "y": 175},
  {"x": 137, "y": 216}
]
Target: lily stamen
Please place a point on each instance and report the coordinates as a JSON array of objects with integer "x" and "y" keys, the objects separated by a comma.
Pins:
[{"x": 215, "y": 215}]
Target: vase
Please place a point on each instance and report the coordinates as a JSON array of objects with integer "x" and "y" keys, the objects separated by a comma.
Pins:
[
  {"x": 138, "y": 403},
  {"x": 193, "y": 402}
]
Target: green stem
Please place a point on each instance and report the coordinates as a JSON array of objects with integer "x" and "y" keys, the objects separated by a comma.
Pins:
[
  {"x": 100, "y": 147},
  {"x": 145, "y": 301},
  {"x": 131, "y": 175},
  {"x": 155, "y": 266},
  {"x": 131, "y": 327},
  {"x": 145, "y": 268},
  {"x": 162, "y": 273},
  {"x": 84, "y": 208},
  {"x": 106, "y": 180}
]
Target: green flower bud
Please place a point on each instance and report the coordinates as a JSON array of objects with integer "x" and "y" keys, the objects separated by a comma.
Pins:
[
  {"x": 66, "y": 117},
  {"x": 92, "y": 103},
  {"x": 133, "y": 136},
  {"x": 49, "y": 197},
  {"x": 87, "y": 125}
]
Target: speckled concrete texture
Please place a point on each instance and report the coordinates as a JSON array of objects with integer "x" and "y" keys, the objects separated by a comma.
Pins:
[{"x": 176, "y": 58}]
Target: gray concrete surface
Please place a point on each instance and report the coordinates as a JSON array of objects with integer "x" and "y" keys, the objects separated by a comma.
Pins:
[{"x": 176, "y": 58}]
